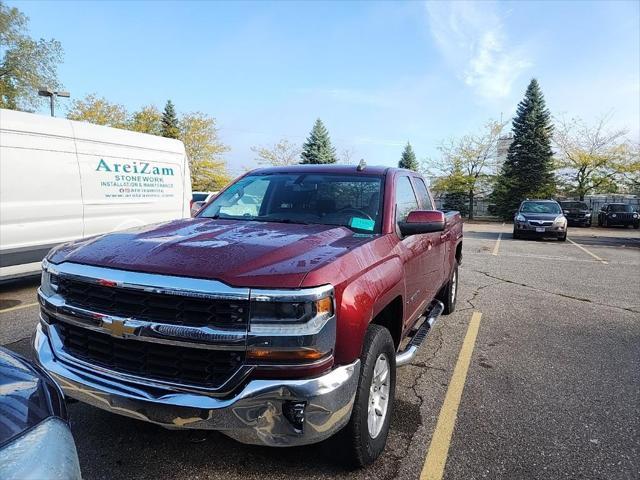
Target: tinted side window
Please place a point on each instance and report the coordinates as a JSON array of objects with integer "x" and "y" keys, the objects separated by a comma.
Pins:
[
  {"x": 405, "y": 199},
  {"x": 423, "y": 194}
]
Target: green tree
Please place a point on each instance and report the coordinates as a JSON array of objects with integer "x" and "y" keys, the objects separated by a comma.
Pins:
[
  {"x": 408, "y": 159},
  {"x": 25, "y": 64},
  {"x": 204, "y": 148},
  {"x": 146, "y": 120},
  {"x": 318, "y": 148},
  {"x": 453, "y": 188},
  {"x": 528, "y": 169},
  {"x": 98, "y": 110},
  {"x": 170, "y": 127},
  {"x": 281, "y": 154},
  {"x": 590, "y": 159}
]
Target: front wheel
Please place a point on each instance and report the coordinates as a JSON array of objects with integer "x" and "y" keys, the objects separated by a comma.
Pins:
[
  {"x": 636, "y": 225},
  {"x": 563, "y": 238},
  {"x": 516, "y": 235},
  {"x": 366, "y": 433}
]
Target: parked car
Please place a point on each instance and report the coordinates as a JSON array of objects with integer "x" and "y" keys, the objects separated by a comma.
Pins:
[
  {"x": 540, "y": 218},
  {"x": 621, "y": 214},
  {"x": 62, "y": 180},
  {"x": 278, "y": 321},
  {"x": 198, "y": 199},
  {"x": 577, "y": 213},
  {"x": 35, "y": 440}
]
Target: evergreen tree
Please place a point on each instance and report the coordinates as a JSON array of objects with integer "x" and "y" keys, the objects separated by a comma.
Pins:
[
  {"x": 528, "y": 169},
  {"x": 318, "y": 148},
  {"x": 408, "y": 159},
  {"x": 170, "y": 121}
]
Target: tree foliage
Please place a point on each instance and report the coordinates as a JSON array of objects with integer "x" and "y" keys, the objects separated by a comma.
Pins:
[
  {"x": 453, "y": 188},
  {"x": 25, "y": 63},
  {"x": 408, "y": 159},
  {"x": 469, "y": 164},
  {"x": 98, "y": 110},
  {"x": 528, "y": 170},
  {"x": 204, "y": 148},
  {"x": 146, "y": 120},
  {"x": 169, "y": 128},
  {"x": 590, "y": 158},
  {"x": 318, "y": 148},
  {"x": 281, "y": 154}
]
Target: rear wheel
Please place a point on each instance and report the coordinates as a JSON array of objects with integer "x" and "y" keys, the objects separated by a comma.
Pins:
[
  {"x": 366, "y": 433},
  {"x": 449, "y": 293}
]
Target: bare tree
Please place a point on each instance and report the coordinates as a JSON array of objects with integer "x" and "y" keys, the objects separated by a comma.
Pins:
[
  {"x": 281, "y": 154},
  {"x": 469, "y": 162},
  {"x": 590, "y": 158},
  {"x": 346, "y": 156}
]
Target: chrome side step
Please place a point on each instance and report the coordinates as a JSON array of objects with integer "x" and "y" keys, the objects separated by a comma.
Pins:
[{"x": 409, "y": 353}]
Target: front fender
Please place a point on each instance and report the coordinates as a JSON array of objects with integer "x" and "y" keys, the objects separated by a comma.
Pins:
[{"x": 360, "y": 301}]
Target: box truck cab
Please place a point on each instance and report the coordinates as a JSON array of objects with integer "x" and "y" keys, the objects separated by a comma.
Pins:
[{"x": 62, "y": 180}]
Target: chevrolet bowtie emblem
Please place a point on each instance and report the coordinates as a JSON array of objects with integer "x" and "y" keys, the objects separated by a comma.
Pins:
[{"x": 117, "y": 327}]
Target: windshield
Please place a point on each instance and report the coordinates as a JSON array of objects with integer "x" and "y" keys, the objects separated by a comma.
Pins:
[
  {"x": 540, "y": 207},
  {"x": 352, "y": 201},
  {"x": 620, "y": 208},
  {"x": 579, "y": 205}
]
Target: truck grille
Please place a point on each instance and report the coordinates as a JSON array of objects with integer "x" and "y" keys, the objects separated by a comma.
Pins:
[
  {"x": 155, "y": 307},
  {"x": 196, "y": 366}
]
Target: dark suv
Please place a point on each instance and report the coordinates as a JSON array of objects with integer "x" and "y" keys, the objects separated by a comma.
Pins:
[
  {"x": 618, "y": 214},
  {"x": 541, "y": 218},
  {"x": 577, "y": 213}
]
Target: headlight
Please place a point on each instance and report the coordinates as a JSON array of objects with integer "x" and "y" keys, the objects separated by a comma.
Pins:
[
  {"x": 560, "y": 220},
  {"x": 520, "y": 218},
  {"x": 292, "y": 329},
  {"x": 613, "y": 215},
  {"x": 635, "y": 215},
  {"x": 565, "y": 212},
  {"x": 587, "y": 214},
  {"x": 48, "y": 280}
]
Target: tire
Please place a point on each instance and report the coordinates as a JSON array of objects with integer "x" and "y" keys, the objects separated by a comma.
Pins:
[
  {"x": 449, "y": 293},
  {"x": 363, "y": 446},
  {"x": 516, "y": 236},
  {"x": 636, "y": 225},
  {"x": 563, "y": 238}
]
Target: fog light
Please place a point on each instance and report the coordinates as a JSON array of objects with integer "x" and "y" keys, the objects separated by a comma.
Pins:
[{"x": 294, "y": 412}]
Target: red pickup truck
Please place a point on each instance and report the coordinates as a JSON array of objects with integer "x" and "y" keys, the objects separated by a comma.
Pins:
[{"x": 277, "y": 316}]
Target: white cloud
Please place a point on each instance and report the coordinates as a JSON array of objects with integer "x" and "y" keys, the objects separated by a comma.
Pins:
[{"x": 472, "y": 39}]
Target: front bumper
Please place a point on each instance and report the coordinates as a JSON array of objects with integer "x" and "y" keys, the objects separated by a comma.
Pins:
[
  {"x": 533, "y": 230},
  {"x": 254, "y": 415},
  {"x": 579, "y": 220}
]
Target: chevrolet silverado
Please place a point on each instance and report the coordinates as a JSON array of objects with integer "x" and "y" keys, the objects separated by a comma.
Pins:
[{"x": 277, "y": 316}]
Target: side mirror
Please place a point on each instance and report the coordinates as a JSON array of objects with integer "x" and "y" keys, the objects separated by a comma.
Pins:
[{"x": 422, "y": 221}]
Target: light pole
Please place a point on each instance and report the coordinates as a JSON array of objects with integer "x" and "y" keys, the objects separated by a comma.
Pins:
[{"x": 45, "y": 92}]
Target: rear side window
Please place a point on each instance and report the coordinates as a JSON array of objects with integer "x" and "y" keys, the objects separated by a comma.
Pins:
[
  {"x": 423, "y": 194},
  {"x": 405, "y": 199}
]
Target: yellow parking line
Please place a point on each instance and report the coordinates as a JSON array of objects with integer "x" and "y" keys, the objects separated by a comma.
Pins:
[
  {"x": 19, "y": 307},
  {"x": 590, "y": 253},
  {"x": 434, "y": 464},
  {"x": 497, "y": 245}
]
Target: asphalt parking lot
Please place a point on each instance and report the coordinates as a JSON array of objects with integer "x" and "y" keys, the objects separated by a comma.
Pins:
[{"x": 552, "y": 387}]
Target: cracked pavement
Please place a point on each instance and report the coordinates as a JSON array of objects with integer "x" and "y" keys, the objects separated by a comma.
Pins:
[{"x": 553, "y": 389}]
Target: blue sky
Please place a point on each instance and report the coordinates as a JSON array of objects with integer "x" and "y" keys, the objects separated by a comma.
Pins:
[{"x": 378, "y": 74}]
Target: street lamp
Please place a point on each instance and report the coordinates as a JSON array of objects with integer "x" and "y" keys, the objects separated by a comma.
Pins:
[{"x": 45, "y": 92}]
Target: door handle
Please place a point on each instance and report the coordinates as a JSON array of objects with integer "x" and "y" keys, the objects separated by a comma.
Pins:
[{"x": 444, "y": 236}]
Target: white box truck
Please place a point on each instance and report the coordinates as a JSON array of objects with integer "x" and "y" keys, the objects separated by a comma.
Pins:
[{"x": 62, "y": 180}]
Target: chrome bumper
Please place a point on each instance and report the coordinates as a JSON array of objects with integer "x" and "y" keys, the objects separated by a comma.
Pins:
[{"x": 254, "y": 415}]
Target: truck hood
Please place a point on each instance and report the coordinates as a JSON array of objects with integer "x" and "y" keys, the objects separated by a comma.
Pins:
[{"x": 239, "y": 253}]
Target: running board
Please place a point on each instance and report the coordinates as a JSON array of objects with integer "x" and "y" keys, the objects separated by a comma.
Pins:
[{"x": 409, "y": 353}]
